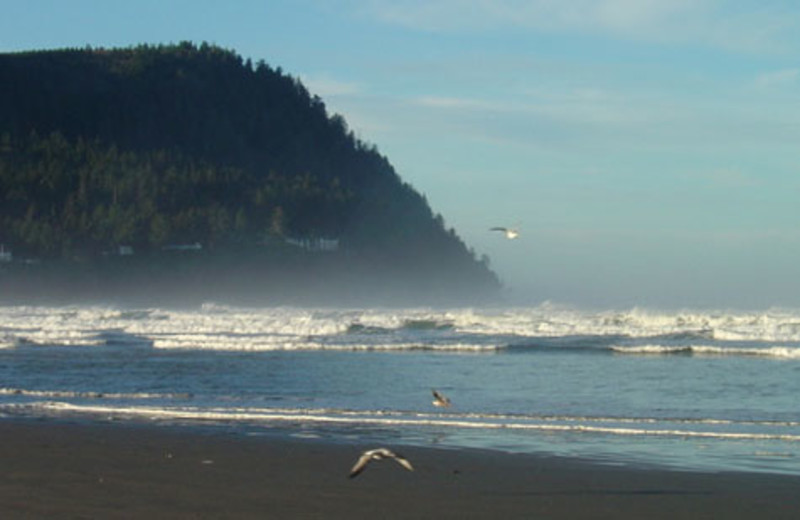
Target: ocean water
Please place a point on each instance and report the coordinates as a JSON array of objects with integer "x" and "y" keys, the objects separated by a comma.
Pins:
[{"x": 705, "y": 390}]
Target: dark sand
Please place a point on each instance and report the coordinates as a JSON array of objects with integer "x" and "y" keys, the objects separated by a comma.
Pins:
[{"x": 58, "y": 470}]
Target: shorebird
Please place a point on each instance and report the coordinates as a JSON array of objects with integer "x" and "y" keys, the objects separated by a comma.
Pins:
[
  {"x": 378, "y": 454},
  {"x": 440, "y": 400},
  {"x": 510, "y": 233}
]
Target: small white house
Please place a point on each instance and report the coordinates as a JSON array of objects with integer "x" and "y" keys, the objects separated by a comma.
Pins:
[
  {"x": 5, "y": 255},
  {"x": 183, "y": 247},
  {"x": 315, "y": 245}
]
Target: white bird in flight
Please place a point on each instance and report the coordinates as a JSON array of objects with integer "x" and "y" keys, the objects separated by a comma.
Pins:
[
  {"x": 510, "y": 233},
  {"x": 378, "y": 454},
  {"x": 440, "y": 400}
]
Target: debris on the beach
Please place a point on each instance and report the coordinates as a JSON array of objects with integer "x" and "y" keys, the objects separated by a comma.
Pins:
[
  {"x": 378, "y": 454},
  {"x": 440, "y": 400}
]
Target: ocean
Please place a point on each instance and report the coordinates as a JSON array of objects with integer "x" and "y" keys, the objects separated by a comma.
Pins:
[{"x": 695, "y": 390}]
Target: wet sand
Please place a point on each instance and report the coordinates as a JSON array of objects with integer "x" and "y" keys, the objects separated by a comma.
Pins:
[{"x": 63, "y": 470}]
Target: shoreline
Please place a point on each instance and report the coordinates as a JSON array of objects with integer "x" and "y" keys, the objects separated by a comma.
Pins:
[{"x": 76, "y": 469}]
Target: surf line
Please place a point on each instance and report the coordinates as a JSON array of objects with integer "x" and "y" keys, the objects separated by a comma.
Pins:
[{"x": 244, "y": 415}]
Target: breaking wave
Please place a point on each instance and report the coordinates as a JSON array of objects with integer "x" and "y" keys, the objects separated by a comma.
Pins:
[
  {"x": 781, "y": 352},
  {"x": 773, "y": 333},
  {"x": 61, "y": 394}
]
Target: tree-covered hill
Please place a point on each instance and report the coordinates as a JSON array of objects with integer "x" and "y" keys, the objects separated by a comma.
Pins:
[{"x": 155, "y": 146}]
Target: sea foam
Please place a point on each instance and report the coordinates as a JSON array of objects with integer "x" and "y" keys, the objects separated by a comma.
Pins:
[{"x": 283, "y": 328}]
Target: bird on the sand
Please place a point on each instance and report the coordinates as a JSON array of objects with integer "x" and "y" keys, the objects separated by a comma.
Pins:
[
  {"x": 440, "y": 400},
  {"x": 510, "y": 233},
  {"x": 378, "y": 454}
]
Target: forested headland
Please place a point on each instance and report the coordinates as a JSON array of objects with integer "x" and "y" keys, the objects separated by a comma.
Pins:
[{"x": 169, "y": 168}]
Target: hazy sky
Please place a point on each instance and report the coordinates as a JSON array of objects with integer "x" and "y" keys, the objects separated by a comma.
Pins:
[{"x": 649, "y": 150}]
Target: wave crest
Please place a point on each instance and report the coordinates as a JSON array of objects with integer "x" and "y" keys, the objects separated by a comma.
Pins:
[
  {"x": 783, "y": 352},
  {"x": 652, "y": 427}
]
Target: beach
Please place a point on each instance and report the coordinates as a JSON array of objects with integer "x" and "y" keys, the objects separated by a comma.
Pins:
[{"x": 60, "y": 469}]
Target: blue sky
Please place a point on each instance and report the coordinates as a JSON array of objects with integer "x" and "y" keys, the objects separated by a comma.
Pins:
[{"x": 647, "y": 149}]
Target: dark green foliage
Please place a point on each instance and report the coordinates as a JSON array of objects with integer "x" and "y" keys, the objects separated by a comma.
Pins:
[
  {"x": 61, "y": 198},
  {"x": 156, "y": 145}
]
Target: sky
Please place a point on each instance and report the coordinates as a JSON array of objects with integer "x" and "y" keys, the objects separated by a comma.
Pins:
[{"x": 647, "y": 150}]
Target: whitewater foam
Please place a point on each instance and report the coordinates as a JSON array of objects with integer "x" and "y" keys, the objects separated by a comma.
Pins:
[
  {"x": 54, "y": 394},
  {"x": 782, "y": 352},
  {"x": 363, "y": 418},
  {"x": 229, "y": 328}
]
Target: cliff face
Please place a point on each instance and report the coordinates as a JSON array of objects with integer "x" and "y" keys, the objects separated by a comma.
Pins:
[{"x": 154, "y": 147}]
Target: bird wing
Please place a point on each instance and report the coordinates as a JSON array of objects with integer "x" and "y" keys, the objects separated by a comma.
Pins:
[
  {"x": 441, "y": 399},
  {"x": 403, "y": 462},
  {"x": 498, "y": 229},
  {"x": 360, "y": 464}
]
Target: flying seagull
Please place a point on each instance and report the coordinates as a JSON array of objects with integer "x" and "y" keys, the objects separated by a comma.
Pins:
[
  {"x": 510, "y": 233},
  {"x": 378, "y": 454},
  {"x": 440, "y": 400}
]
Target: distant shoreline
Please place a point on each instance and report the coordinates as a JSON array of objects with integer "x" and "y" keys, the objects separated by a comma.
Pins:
[{"x": 62, "y": 469}]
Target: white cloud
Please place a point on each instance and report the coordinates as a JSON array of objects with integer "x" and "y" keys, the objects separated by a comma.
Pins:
[
  {"x": 325, "y": 86},
  {"x": 756, "y": 27},
  {"x": 447, "y": 103},
  {"x": 778, "y": 78},
  {"x": 623, "y": 16},
  {"x": 579, "y": 106},
  {"x": 727, "y": 178},
  {"x": 615, "y": 15}
]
